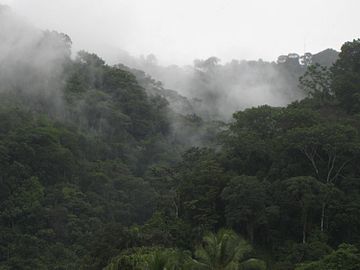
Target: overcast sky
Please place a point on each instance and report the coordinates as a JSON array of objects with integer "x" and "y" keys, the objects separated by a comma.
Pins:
[{"x": 178, "y": 31}]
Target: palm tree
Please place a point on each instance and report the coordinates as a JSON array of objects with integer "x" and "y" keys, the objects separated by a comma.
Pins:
[
  {"x": 158, "y": 261},
  {"x": 224, "y": 251},
  {"x": 169, "y": 259}
]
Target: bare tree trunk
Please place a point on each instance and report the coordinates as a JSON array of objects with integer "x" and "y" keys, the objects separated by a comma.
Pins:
[
  {"x": 176, "y": 209},
  {"x": 304, "y": 228},
  {"x": 322, "y": 216},
  {"x": 250, "y": 231}
]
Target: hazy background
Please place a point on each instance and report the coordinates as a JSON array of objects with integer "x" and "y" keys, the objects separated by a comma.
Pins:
[
  {"x": 177, "y": 32},
  {"x": 186, "y": 38}
]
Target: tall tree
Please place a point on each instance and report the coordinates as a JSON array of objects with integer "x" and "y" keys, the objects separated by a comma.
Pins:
[
  {"x": 346, "y": 257},
  {"x": 316, "y": 82},
  {"x": 346, "y": 76},
  {"x": 201, "y": 180},
  {"x": 306, "y": 191},
  {"x": 245, "y": 198},
  {"x": 328, "y": 148}
]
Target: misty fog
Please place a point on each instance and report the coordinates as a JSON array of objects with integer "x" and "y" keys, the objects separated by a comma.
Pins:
[
  {"x": 31, "y": 60},
  {"x": 216, "y": 90},
  {"x": 210, "y": 87}
]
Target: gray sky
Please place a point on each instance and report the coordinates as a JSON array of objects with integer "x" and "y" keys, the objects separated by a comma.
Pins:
[{"x": 178, "y": 31}]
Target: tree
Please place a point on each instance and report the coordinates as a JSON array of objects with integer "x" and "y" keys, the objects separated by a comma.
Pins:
[
  {"x": 23, "y": 201},
  {"x": 328, "y": 148},
  {"x": 206, "y": 65},
  {"x": 306, "y": 191},
  {"x": 346, "y": 76},
  {"x": 106, "y": 243},
  {"x": 316, "y": 82},
  {"x": 201, "y": 180},
  {"x": 346, "y": 257},
  {"x": 245, "y": 198},
  {"x": 248, "y": 143}
]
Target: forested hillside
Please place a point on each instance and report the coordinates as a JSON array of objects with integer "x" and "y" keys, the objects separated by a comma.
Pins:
[
  {"x": 216, "y": 89},
  {"x": 98, "y": 171}
]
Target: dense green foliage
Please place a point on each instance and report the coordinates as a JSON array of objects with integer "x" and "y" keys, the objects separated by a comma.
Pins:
[
  {"x": 347, "y": 257},
  {"x": 70, "y": 181},
  {"x": 222, "y": 251},
  {"x": 104, "y": 179}
]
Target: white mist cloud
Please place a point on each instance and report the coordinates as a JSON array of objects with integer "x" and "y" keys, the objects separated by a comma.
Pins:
[
  {"x": 31, "y": 60},
  {"x": 180, "y": 31}
]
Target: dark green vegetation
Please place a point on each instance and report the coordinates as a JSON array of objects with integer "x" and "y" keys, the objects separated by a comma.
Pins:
[{"x": 104, "y": 177}]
